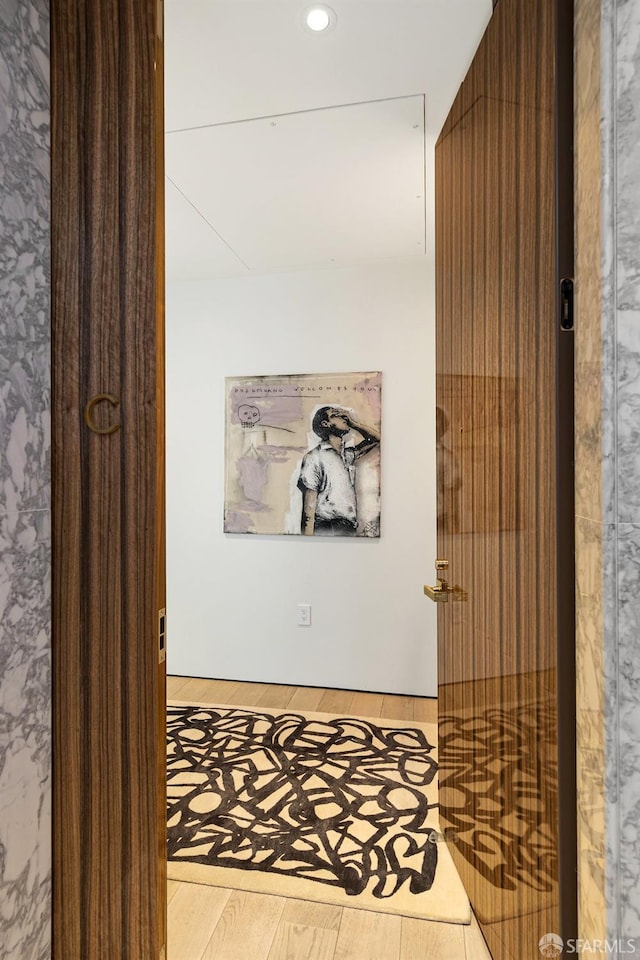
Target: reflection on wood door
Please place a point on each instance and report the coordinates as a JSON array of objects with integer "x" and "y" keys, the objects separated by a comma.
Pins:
[
  {"x": 498, "y": 524},
  {"x": 483, "y": 415}
]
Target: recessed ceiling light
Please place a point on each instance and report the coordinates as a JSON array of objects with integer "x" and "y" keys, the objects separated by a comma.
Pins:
[{"x": 319, "y": 18}]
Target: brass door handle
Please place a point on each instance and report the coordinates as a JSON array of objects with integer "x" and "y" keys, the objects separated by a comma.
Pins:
[
  {"x": 441, "y": 592},
  {"x": 88, "y": 413}
]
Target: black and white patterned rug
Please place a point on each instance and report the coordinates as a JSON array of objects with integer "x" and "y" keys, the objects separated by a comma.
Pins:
[{"x": 336, "y": 809}]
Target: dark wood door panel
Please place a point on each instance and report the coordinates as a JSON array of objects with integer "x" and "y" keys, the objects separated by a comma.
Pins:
[
  {"x": 498, "y": 476},
  {"x": 109, "y": 887}
]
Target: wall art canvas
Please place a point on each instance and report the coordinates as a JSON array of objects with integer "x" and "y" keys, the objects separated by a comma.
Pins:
[{"x": 302, "y": 454}]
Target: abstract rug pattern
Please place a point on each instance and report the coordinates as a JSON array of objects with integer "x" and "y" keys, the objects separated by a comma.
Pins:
[{"x": 339, "y": 809}]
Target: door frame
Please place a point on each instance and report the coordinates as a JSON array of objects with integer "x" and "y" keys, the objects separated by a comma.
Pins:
[
  {"x": 94, "y": 43},
  {"x": 565, "y": 473},
  {"x": 109, "y": 690}
]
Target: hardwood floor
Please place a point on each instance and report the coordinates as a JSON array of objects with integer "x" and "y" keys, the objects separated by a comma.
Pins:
[
  {"x": 390, "y": 706},
  {"x": 211, "y": 923}
]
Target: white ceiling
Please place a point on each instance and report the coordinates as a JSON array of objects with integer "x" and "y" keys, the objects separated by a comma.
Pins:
[{"x": 286, "y": 149}]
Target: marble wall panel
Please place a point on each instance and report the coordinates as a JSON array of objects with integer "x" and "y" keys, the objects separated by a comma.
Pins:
[
  {"x": 628, "y": 725},
  {"x": 25, "y": 539},
  {"x": 628, "y": 404},
  {"x": 627, "y": 256},
  {"x": 628, "y": 914},
  {"x": 25, "y": 736},
  {"x": 623, "y": 714},
  {"x": 628, "y": 548},
  {"x": 608, "y": 468},
  {"x": 606, "y": 221}
]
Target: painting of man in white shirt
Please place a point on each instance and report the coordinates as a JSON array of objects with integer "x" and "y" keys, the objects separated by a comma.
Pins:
[{"x": 327, "y": 477}]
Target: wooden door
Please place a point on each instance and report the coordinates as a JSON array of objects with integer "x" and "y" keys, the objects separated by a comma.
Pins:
[
  {"x": 505, "y": 479},
  {"x": 108, "y": 529}
]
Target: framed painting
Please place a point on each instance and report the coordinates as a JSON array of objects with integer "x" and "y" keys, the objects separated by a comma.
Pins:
[{"x": 302, "y": 454}]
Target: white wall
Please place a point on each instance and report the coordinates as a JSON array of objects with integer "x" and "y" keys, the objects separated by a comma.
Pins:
[{"x": 232, "y": 599}]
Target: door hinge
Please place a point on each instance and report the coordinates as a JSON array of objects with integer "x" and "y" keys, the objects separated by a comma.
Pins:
[
  {"x": 566, "y": 304},
  {"x": 162, "y": 635}
]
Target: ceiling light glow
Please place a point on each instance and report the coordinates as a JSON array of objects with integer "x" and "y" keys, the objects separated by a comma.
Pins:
[{"x": 319, "y": 18}]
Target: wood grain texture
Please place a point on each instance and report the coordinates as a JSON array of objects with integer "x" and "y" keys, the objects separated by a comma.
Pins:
[
  {"x": 248, "y": 694},
  {"x": 172, "y": 888},
  {"x": 367, "y": 704},
  {"x": 368, "y": 936},
  {"x": 196, "y": 689},
  {"x": 293, "y": 940},
  {"x": 396, "y": 707},
  {"x": 306, "y": 931},
  {"x": 310, "y": 914},
  {"x": 315, "y": 699},
  {"x": 496, "y": 282},
  {"x": 306, "y": 698},
  {"x": 174, "y": 686},
  {"x": 425, "y": 709},
  {"x": 474, "y": 943},
  {"x": 336, "y": 701},
  {"x": 276, "y": 695},
  {"x": 246, "y": 928},
  {"x": 421, "y": 939},
  {"x": 194, "y": 912},
  {"x": 108, "y": 691},
  {"x": 209, "y": 691},
  {"x": 160, "y": 455}
]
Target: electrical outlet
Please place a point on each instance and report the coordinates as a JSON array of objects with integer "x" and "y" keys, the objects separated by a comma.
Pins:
[{"x": 304, "y": 614}]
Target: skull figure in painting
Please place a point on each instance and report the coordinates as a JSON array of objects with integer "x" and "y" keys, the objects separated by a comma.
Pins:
[{"x": 248, "y": 415}]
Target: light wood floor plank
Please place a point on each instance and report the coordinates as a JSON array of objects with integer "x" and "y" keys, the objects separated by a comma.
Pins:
[
  {"x": 306, "y": 698},
  {"x": 294, "y": 941},
  {"x": 249, "y": 694},
  {"x": 396, "y": 707},
  {"x": 424, "y": 938},
  {"x": 309, "y": 914},
  {"x": 425, "y": 709},
  {"x": 336, "y": 701},
  {"x": 202, "y": 690},
  {"x": 172, "y": 888},
  {"x": 474, "y": 942},
  {"x": 368, "y": 936},
  {"x": 367, "y": 704},
  {"x": 276, "y": 696},
  {"x": 194, "y": 911},
  {"x": 174, "y": 685},
  {"x": 246, "y": 929}
]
